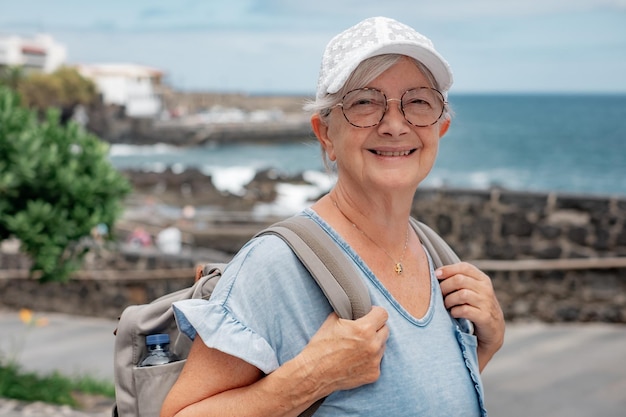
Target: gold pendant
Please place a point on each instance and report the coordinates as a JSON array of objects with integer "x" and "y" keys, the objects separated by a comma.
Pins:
[{"x": 398, "y": 268}]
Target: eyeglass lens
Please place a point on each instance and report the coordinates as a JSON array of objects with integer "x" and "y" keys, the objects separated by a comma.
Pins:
[{"x": 365, "y": 107}]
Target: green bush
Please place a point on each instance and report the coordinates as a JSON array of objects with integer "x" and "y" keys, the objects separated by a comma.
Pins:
[
  {"x": 52, "y": 388},
  {"x": 56, "y": 185},
  {"x": 63, "y": 89}
]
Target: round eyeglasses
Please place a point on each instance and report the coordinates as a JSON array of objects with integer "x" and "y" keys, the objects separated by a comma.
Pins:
[{"x": 366, "y": 107}]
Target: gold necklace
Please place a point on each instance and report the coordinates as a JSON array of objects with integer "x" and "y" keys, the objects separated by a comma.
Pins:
[{"x": 398, "y": 267}]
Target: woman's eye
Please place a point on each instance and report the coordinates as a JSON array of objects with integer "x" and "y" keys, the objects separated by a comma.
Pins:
[{"x": 417, "y": 102}]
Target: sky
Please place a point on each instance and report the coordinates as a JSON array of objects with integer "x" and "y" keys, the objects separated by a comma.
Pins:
[{"x": 275, "y": 46}]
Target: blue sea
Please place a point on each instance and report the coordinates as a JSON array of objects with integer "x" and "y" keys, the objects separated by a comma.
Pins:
[{"x": 573, "y": 144}]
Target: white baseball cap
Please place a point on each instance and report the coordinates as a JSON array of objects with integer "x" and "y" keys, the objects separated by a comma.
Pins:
[{"x": 377, "y": 36}]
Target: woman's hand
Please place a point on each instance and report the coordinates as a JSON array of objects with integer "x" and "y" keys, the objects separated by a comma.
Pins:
[
  {"x": 346, "y": 354},
  {"x": 343, "y": 354},
  {"x": 468, "y": 293}
]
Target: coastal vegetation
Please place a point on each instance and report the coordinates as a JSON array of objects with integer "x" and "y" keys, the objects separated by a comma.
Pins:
[
  {"x": 56, "y": 186},
  {"x": 52, "y": 388},
  {"x": 63, "y": 89},
  {"x": 55, "y": 388}
]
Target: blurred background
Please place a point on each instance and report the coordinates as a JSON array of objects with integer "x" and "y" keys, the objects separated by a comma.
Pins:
[{"x": 198, "y": 108}]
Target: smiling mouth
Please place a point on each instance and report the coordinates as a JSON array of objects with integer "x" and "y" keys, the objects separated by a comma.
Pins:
[{"x": 395, "y": 153}]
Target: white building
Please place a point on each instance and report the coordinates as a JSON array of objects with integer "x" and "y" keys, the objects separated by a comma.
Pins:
[
  {"x": 40, "y": 53},
  {"x": 132, "y": 86}
]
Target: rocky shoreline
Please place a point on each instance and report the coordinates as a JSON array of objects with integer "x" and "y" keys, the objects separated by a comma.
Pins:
[
  {"x": 192, "y": 187},
  {"x": 207, "y": 216},
  {"x": 262, "y": 119}
]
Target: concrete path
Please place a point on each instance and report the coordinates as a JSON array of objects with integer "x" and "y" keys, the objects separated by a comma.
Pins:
[
  {"x": 70, "y": 344},
  {"x": 542, "y": 370},
  {"x": 576, "y": 370}
]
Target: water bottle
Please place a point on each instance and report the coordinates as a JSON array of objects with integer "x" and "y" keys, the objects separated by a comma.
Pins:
[{"x": 158, "y": 350}]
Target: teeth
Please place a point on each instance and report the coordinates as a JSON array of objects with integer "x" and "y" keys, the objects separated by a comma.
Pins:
[{"x": 397, "y": 153}]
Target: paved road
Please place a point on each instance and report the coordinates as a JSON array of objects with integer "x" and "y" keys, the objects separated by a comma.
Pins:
[{"x": 543, "y": 370}]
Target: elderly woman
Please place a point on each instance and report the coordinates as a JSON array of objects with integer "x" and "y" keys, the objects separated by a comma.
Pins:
[{"x": 268, "y": 343}]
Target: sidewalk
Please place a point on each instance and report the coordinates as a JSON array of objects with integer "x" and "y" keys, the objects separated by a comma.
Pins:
[
  {"x": 73, "y": 345},
  {"x": 573, "y": 370}
]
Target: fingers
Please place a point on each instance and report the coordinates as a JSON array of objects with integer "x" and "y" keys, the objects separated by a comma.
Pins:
[
  {"x": 463, "y": 282},
  {"x": 468, "y": 293},
  {"x": 466, "y": 289},
  {"x": 348, "y": 353},
  {"x": 377, "y": 318},
  {"x": 370, "y": 329},
  {"x": 371, "y": 325},
  {"x": 461, "y": 269}
]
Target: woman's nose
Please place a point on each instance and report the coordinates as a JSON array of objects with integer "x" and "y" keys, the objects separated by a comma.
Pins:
[
  {"x": 393, "y": 120},
  {"x": 397, "y": 107}
]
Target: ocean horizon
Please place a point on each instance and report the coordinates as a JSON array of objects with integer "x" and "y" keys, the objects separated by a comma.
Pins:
[{"x": 566, "y": 143}]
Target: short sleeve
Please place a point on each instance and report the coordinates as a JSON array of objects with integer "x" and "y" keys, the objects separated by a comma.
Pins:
[
  {"x": 264, "y": 309},
  {"x": 219, "y": 329}
]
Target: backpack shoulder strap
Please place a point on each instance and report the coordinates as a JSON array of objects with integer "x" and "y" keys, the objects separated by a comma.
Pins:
[
  {"x": 333, "y": 271},
  {"x": 439, "y": 250},
  {"x": 441, "y": 254}
]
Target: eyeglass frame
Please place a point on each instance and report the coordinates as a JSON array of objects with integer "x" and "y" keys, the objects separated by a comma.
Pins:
[{"x": 387, "y": 100}]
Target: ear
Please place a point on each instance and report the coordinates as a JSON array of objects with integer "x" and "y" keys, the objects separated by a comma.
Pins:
[
  {"x": 443, "y": 127},
  {"x": 320, "y": 128}
]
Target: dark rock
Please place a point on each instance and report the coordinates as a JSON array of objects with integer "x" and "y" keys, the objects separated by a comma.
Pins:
[
  {"x": 444, "y": 224},
  {"x": 534, "y": 202},
  {"x": 549, "y": 231},
  {"x": 516, "y": 225},
  {"x": 578, "y": 235},
  {"x": 602, "y": 242},
  {"x": 567, "y": 314},
  {"x": 588, "y": 204},
  {"x": 553, "y": 252}
]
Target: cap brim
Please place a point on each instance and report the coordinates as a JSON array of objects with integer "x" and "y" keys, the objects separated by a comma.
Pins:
[{"x": 435, "y": 63}]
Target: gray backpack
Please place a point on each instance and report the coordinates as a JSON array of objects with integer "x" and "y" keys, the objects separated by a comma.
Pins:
[{"x": 140, "y": 391}]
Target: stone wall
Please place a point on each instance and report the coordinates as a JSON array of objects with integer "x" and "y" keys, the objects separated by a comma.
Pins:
[
  {"x": 91, "y": 297},
  {"x": 551, "y": 258},
  {"x": 506, "y": 225},
  {"x": 563, "y": 295},
  {"x": 109, "y": 281}
]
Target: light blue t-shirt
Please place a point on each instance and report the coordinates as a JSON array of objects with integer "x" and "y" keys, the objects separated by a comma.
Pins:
[{"x": 266, "y": 307}]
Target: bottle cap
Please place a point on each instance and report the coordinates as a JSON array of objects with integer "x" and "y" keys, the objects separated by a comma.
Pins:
[{"x": 157, "y": 339}]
